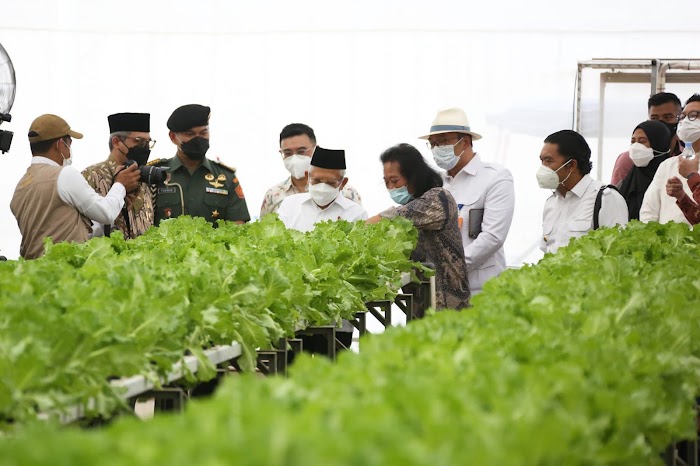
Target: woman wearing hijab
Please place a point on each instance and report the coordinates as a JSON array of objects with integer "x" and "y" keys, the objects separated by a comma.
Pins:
[
  {"x": 650, "y": 146},
  {"x": 432, "y": 209}
]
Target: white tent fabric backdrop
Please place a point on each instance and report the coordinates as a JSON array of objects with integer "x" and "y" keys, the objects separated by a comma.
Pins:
[{"x": 365, "y": 75}]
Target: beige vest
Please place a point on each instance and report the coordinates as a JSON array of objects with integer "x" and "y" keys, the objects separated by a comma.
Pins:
[{"x": 40, "y": 212}]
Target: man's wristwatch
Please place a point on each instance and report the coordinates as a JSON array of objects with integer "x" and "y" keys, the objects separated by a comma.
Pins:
[{"x": 690, "y": 174}]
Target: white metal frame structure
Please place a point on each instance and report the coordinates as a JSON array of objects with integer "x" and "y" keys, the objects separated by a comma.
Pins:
[{"x": 657, "y": 72}]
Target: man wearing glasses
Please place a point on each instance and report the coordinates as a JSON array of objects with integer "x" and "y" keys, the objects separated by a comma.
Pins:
[
  {"x": 664, "y": 203},
  {"x": 323, "y": 200},
  {"x": 129, "y": 139},
  {"x": 297, "y": 144},
  {"x": 483, "y": 191}
]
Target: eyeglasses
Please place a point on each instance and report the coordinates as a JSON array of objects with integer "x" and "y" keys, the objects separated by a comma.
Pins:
[
  {"x": 332, "y": 183},
  {"x": 142, "y": 142},
  {"x": 691, "y": 115},
  {"x": 288, "y": 152},
  {"x": 442, "y": 142}
]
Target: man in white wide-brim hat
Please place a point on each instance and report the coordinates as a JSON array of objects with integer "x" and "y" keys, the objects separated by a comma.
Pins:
[{"x": 483, "y": 191}]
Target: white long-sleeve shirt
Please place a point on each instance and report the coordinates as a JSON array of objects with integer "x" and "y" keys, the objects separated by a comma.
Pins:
[
  {"x": 571, "y": 216},
  {"x": 74, "y": 190},
  {"x": 658, "y": 206},
  {"x": 488, "y": 186},
  {"x": 300, "y": 212}
]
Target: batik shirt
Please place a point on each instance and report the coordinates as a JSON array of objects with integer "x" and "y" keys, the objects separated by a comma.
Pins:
[
  {"x": 138, "y": 207},
  {"x": 435, "y": 215}
]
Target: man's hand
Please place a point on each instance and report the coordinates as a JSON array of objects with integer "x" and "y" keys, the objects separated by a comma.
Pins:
[
  {"x": 688, "y": 166},
  {"x": 674, "y": 188},
  {"x": 129, "y": 177}
]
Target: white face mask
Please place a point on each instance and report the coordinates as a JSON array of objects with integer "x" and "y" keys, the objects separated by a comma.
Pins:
[
  {"x": 548, "y": 178},
  {"x": 297, "y": 165},
  {"x": 445, "y": 157},
  {"x": 642, "y": 155},
  {"x": 66, "y": 160},
  {"x": 322, "y": 193},
  {"x": 688, "y": 131}
]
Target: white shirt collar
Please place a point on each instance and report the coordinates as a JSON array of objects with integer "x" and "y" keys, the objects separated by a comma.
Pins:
[
  {"x": 581, "y": 187},
  {"x": 37, "y": 159},
  {"x": 471, "y": 168}
]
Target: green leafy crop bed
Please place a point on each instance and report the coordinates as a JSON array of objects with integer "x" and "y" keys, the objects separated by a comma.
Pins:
[
  {"x": 588, "y": 358},
  {"x": 109, "y": 308}
]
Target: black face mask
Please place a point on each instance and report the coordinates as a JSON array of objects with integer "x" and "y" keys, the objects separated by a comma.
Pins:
[
  {"x": 196, "y": 148},
  {"x": 139, "y": 154},
  {"x": 671, "y": 127}
]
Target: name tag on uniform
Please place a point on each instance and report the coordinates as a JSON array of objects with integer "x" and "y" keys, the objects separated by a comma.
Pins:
[
  {"x": 217, "y": 191},
  {"x": 167, "y": 190}
]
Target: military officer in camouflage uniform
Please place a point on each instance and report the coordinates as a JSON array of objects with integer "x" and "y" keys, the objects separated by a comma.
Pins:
[
  {"x": 129, "y": 139},
  {"x": 198, "y": 186}
]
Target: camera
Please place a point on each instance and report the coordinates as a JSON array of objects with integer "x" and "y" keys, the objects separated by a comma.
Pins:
[
  {"x": 150, "y": 174},
  {"x": 5, "y": 136}
]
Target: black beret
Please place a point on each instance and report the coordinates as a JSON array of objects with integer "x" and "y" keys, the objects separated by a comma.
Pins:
[
  {"x": 328, "y": 158},
  {"x": 658, "y": 134},
  {"x": 188, "y": 116},
  {"x": 129, "y": 122}
]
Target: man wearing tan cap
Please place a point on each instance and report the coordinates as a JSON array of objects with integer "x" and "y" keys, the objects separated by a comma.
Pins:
[
  {"x": 53, "y": 199},
  {"x": 484, "y": 193}
]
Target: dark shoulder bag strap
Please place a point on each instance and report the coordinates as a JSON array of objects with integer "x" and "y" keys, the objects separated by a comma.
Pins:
[{"x": 599, "y": 203}]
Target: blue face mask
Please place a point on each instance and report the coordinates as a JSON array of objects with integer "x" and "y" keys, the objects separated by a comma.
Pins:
[{"x": 401, "y": 195}]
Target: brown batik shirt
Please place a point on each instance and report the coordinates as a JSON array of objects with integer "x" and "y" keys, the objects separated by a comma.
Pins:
[
  {"x": 138, "y": 207},
  {"x": 435, "y": 214}
]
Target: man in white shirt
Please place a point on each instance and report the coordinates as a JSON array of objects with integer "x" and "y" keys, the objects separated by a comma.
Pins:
[
  {"x": 53, "y": 199},
  {"x": 322, "y": 202},
  {"x": 569, "y": 212},
  {"x": 297, "y": 143},
  {"x": 657, "y": 205},
  {"x": 483, "y": 191}
]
